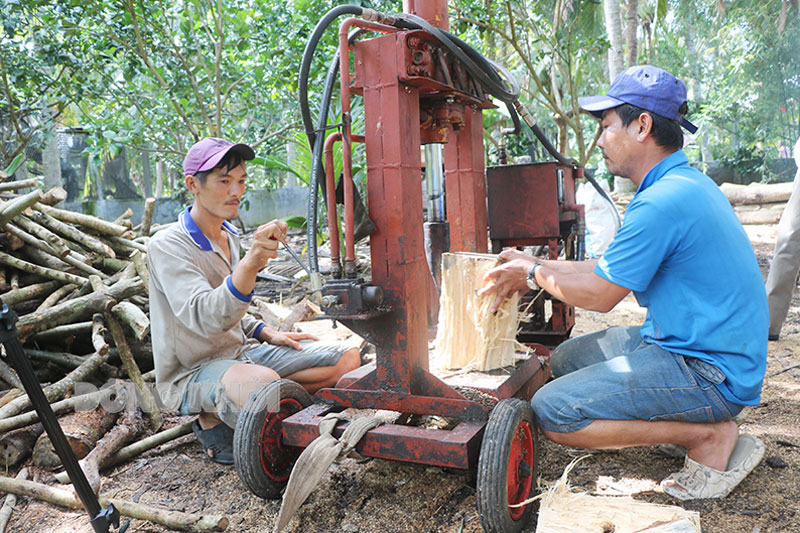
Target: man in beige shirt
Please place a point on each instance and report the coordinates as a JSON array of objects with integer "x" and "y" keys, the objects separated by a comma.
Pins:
[{"x": 209, "y": 354}]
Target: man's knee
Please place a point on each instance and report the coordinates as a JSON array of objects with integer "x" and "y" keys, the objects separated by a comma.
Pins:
[
  {"x": 554, "y": 413},
  {"x": 350, "y": 360},
  {"x": 242, "y": 379}
]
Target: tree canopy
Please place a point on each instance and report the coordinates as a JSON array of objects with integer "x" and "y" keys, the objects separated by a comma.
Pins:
[{"x": 156, "y": 76}]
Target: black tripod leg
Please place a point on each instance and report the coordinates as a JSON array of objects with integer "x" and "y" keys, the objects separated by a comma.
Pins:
[{"x": 102, "y": 519}]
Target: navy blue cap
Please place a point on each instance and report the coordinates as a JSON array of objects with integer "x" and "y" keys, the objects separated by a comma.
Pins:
[{"x": 644, "y": 86}]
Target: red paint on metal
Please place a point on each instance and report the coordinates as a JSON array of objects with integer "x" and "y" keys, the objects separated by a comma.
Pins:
[
  {"x": 276, "y": 459},
  {"x": 465, "y": 182},
  {"x": 520, "y": 469},
  {"x": 330, "y": 182},
  {"x": 434, "y": 11}
]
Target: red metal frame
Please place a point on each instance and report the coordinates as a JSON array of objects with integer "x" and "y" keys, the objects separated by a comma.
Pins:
[{"x": 398, "y": 76}]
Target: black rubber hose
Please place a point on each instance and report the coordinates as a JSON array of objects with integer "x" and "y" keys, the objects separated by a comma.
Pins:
[{"x": 315, "y": 140}]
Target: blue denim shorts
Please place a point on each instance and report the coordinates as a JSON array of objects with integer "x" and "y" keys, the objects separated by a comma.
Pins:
[
  {"x": 205, "y": 392},
  {"x": 615, "y": 375}
]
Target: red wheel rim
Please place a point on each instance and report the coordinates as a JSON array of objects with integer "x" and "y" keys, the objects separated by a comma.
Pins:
[
  {"x": 520, "y": 469},
  {"x": 277, "y": 459}
]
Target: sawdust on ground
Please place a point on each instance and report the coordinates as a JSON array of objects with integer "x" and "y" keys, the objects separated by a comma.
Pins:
[{"x": 376, "y": 496}]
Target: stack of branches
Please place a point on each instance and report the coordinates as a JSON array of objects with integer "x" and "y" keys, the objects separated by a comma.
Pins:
[{"x": 79, "y": 285}]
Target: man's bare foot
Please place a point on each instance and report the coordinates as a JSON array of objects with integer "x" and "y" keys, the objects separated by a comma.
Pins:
[{"x": 715, "y": 448}]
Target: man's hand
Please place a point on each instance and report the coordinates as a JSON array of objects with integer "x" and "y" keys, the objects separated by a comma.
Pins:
[
  {"x": 282, "y": 338},
  {"x": 266, "y": 240},
  {"x": 507, "y": 278}
]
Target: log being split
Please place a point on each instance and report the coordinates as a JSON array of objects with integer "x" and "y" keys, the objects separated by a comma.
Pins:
[
  {"x": 171, "y": 519},
  {"x": 469, "y": 335}
]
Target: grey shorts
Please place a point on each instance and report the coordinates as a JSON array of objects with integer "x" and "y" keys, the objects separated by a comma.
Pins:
[{"x": 205, "y": 392}]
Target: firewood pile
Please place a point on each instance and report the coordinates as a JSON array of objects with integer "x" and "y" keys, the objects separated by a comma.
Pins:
[{"x": 79, "y": 285}]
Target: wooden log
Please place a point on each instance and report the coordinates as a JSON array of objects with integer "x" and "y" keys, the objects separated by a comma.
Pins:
[
  {"x": 14, "y": 280},
  {"x": 68, "y": 360},
  {"x": 98, "y": 334},
  {"x": 9, "y": 210},
  {"x": 10, "y": 242},
  {"x": 11, "y": 394},
  {"x": 128, "y": 427},
  {"x": 59, "y": 332},
  {"x": 50, "y": 273},
  {"x": 140, "y": 263},
  {"x": 97, "y": 224},
  {"x": 301, "y": 312},
  {"x": 3, "y": 280},
  {"x": 9, "y": 502},
  {"x": 72, "y": 233},
  {"x": 84, "y": 306},
  {"x": 59, "y": 389},
  {"x": 764, "y": 214},
  {"x": 21, "y": 184},
  {"x": 54, "y": 196},
  {"x": 36, "y": 256},
  {"x": 134, "y": 318},
  {"x": 469, "y": 336},
  {"x": 9, "y": 375},
  {"x": 16, "y": 446},
  {"x": 56, "y": 296},
  {"x": 757, "y": 193},
  {"x": 89, "y": 400},
  {"x": 44, "y": 234},
  {"x": 114, "y": 264},
  {"x": 125, "y": 245},
  {"x": 171, "y": 519},
  {"x": 149, "y": 404},
  {"x": 30, "y": 292},
  {"x": 147, "y": 216},
  {"x": 82, "y": 429},
  {"x": 126, "y": 216}
]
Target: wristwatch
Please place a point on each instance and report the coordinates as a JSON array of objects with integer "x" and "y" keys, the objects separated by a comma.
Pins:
[{"x": 531, "y": 279}]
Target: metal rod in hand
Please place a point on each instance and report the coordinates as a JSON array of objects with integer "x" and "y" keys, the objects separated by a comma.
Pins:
[{"x": 296, "y": 257}]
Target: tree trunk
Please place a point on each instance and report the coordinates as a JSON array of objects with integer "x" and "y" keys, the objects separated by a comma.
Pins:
[
  {"x": 159, "y": 192},
  {"x": 147, "y": 176},
  {"x": 82, "y": 429},
  {"x": 757, "y": 193},
  {"x": 632, "y": 25},
  {"x": 614, "y": 31},
  {"x": 51, "y": 154}
]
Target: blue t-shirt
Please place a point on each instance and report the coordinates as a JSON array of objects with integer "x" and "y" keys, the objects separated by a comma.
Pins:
[{"x": 686, "y": 257}]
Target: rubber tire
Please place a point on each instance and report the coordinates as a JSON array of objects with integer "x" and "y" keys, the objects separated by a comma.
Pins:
[
  {"x": 258, "y": 414},
  {"x": 505, "y": 420}
]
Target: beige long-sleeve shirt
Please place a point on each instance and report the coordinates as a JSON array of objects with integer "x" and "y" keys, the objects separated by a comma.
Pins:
[{"x": 196, "y": 313}]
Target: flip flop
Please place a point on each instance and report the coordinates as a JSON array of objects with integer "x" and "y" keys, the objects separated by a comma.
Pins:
[
  {"x": 217, "y": 442},
  {"x": 696, "y": 481}
]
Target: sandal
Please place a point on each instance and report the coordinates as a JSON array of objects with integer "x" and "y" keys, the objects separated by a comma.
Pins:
[
  {"x": 216, "y": 441},
  {"x": 696, "y": 481}
]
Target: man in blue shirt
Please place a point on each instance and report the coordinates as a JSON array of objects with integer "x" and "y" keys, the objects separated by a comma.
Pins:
[{"x": 700, "y": 355}]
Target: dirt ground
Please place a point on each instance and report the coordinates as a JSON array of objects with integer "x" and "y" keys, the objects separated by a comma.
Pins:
[{"x": 376, "y": 496}]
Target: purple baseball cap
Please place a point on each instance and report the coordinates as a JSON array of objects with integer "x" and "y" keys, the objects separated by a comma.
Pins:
[
  {"x": 644, "y": 86},
  {"x": 207, "y": 153}
]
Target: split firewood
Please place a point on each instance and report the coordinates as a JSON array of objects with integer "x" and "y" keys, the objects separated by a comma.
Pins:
[
  {"x": 72, "y": 233},
  {"x": 268, "y": 317},
  {"x": 129, "y": 425},
  {"x": 10, "y": 502},
  {"x": 97, "y": 224},
  {"x": 16, "y": 185},
  {"x": 56, "y": 296},
  {"x": 54, "y": 196},
  {"x": 72, "y": 310},
  {"x": 50, "y": 273},
  {"x": 134, "y": 318},
  {"x": 149, "y": 404},
  {"x": 16, "y": 446},
  {"x": 31, "y": 292},
  {"x": 8, "y": 374},
  {"x": 82, "y": 430},
  {"x": 171, "y": 519},
  {"x": 83, "y": 401},
  {"x": 147, "y": 216},
  {"x": 9, "y": 210}
]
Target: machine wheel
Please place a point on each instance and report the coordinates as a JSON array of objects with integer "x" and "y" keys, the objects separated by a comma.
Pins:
[
  {"x": 261, "y": 460},
  {"x": 507, "y": 467}
]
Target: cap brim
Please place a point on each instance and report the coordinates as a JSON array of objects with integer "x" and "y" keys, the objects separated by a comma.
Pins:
[
  {"x": 691, "y": 128},
  {"x": 242, "y": 149},
  {"x": 597, "y": 104}
]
